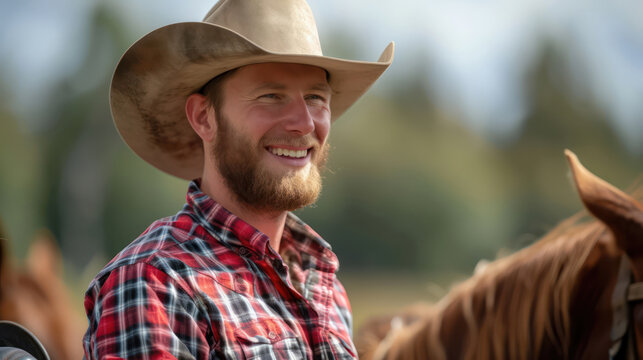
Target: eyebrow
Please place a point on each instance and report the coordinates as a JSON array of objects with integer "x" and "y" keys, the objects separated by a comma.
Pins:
[
  {"x": 278, "y": 86},
  {"x": 322, "y": 87},
  {"x": 270, "y": 86}
]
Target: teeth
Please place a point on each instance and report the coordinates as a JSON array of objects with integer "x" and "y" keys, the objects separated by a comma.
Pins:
[{"x": 289, "y": 153}]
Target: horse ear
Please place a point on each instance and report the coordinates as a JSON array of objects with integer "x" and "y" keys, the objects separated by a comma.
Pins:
[
  {"x": 44, "y": 257},
  {"x": 619, "y": 211}
]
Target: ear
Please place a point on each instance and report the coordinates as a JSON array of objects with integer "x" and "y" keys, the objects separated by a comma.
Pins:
[
  {"x": 201, "y": 116},
  {"x": 619, "y": 211}
]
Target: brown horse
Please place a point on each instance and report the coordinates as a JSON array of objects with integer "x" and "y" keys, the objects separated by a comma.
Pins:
[
  {"x": 35, "y": 296},
  {"x": 564, "y": 297}
]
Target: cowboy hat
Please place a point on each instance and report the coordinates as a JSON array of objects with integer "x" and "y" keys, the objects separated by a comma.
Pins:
[{"x": 158, "y": 72}]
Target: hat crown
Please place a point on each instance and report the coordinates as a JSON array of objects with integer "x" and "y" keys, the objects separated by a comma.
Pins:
[{"x": 279, "y": 26}]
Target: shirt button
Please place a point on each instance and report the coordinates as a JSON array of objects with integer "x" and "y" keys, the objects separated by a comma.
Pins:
[
  {"x": 328, "y": 253},
  {"x": 244, "y": 251},
  {"x": 272, "y": 335},
  {"x": 241, "y": 286}
]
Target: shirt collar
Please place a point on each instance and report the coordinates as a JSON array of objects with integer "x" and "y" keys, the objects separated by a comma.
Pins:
[
  {"x": 301, "y": 239},
  {"x": 235, "y": 232},
  {"x": 225, "y": 226}
]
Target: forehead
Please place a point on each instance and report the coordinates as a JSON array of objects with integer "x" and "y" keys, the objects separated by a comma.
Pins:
[{"x": 280, "y": 73}]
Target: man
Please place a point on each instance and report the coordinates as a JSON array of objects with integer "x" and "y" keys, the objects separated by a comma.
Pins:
[{"x": 242, "y": 103}]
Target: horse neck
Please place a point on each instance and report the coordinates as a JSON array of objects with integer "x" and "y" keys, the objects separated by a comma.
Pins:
[{"x": 591, "y": 306}]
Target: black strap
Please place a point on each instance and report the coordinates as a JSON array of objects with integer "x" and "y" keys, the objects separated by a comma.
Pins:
[{"x": 635, "y": 292}]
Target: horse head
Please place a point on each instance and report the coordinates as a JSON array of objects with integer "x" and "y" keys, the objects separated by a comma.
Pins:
[
  {"x": 563, "y": 297},
  {"x": 623, "y": 216}
]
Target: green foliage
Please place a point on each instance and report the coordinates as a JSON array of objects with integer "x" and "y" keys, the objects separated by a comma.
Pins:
[
  {"x": 136, "y": 195},
  {"x": 20, "y": 175}
]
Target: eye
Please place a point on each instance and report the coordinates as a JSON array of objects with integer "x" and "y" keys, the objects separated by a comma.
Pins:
[
  {"x": 316, "y": 99},
  {"x": 270, "y": 96}
]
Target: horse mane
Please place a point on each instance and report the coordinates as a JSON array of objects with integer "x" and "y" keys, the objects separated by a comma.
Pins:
[
  {"x": 511, "y": 306},
  {"x": 516, "y": 303},
  {"x": 526, "y": 296}
]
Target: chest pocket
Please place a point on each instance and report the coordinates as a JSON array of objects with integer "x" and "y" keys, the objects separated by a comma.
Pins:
[{"x": 269, "y": 339}]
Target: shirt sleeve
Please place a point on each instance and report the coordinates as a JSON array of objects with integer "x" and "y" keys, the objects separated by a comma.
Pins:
[{"x": 140, "y": 312}]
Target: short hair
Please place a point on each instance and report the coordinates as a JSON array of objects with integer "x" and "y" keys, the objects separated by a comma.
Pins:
[{"x": 212, "y": 90}]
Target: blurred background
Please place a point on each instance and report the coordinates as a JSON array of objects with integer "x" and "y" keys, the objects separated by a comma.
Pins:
[{"x": 455, "y": 155}]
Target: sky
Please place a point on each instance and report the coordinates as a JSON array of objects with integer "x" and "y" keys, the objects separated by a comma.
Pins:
[{"x": 478, "y": 49}]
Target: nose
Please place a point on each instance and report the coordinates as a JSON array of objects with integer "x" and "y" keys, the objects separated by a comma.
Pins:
[{"x": 299, "y": 120}]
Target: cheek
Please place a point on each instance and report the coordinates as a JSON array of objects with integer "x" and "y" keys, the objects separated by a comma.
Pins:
[
  {"x": 322, "y": 126},
  {"x": 256, "y": 124}
]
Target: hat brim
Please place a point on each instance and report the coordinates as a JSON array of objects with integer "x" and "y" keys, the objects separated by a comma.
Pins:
[{"x": 156, "y": 75}]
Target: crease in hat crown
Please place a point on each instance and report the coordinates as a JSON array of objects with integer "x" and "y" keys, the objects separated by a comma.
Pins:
[
  {"x": 158, "y": 72},
  {"x": 281, "y": 26}
]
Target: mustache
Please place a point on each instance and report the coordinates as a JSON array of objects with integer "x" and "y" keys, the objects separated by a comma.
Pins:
[{"x": 306, "y": 141}]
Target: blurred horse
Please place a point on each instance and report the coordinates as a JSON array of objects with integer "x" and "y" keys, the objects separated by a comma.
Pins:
[
  {"x": 575, "y": 294},
  {"x": 35, "y": 296}
]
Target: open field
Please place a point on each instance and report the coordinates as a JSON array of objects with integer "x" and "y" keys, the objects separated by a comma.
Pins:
[{"x": 379, "y": 293}]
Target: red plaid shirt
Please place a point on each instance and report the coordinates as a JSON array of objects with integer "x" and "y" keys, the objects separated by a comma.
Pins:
[{"x": 204, "y": 284}]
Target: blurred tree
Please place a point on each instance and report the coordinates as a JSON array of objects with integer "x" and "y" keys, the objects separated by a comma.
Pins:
[
  {"x": 20, "y": 206},
  {"x": 559, "y": 117},
  {"x": 78, "y": 144}
]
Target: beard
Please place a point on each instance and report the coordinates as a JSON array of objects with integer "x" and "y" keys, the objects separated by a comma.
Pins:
[{"x": 254, "y": 183}]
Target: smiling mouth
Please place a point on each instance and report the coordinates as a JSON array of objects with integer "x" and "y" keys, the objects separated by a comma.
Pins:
[{"x": 289, "y": 153}]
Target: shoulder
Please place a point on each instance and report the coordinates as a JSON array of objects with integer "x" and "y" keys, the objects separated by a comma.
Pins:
[
  {"x": 173, "y": 245},
  {"x": 161, "y": 236},
  {"x": 134, "y": 281},
  {"x": 179, "y": 246}
]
